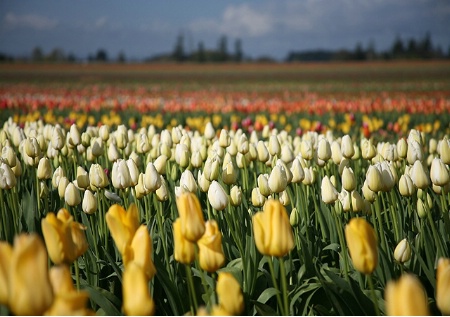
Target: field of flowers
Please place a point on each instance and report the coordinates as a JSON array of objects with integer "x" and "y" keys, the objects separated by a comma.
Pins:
[{"x": 317, "y": 189}]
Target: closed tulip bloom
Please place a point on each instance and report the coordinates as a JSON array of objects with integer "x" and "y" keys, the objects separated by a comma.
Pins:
[
  {"x": 113, "y": 153},
  {"x": 368, "y": 150},
  {"x": 242, "y": 144},
  {"x": 444, "y": 150},
  {"x": 196, "y": 159},
  {"x": 277, "y": 179},
  {"x": 162, "y": 193},
  {"x": 406, "y": 297},
  {"x": 9, "y": 156},
  {"x": 82, "y": 178},
  {"x": 72, "y": 195},
  {"x": 97, "y": 147},
  {"x": 362, "y": 245},
  {"x": 120, "y": 175},
  {"x": 402, "y": 252},
  {"x": 210, "y": 250},
  {"x": 229, "y": 294},
  {"x": 217, "y": 196},
  {"x": 284, "y": 198},
  {"x": 263, "y": 154},
  {"x": 140, "y": 251},
  {"x": 406, "y": 186},
  {"x": 368, "y": 194},
  {"x": 348, "y": 179},
  {"x": 287, "y": 156},
  {"x": 229, "y": 174},
  {"x": 74, "y": 136},
  {"x": 419, "y": 175},
  {"x": 272, "y": 230},
  {"x": 97, "y": 176},
  {"x": 191, "y": 216},
  {"x": 310, "y": 176},
  {"x": 103, "y": 132},
  {"x": 224, "y": 139},
  {"x": 183, "y": 249},
  {"x": 374, "y": 179},
  {"x": 89, "y": 204},
  {"x": 210, "y": 133},
  {"x": 151, "y": 178},
  {"x": 263, "y": 184},
  {"x": 203, "y": 183},
  {"x": 212, "y": 168},
  {"x": 443, "y": 286},
  {"x": 258, "y": 199},
  {"x": 415, "y": 152},
  {"x": 402, "y": 148},
  {"x": 182, "y": 155},
  {"x": 274, "y": 146},
  {"x": 30, "y": 291},
  {"x": 187, "y": 182},
  {"x": 347, "y": 148},
  {"x": 57, "y": 140},
  {"x": 32, "y": 148},
  {"x": 7, "y": 178},
  {"x": 137, "y": 300},
  {"x": 44, "y": 170},
  {"x": 160, "y": 164},
  {"x": 328, "y": 191},
  {"x": 122, "y": 224},
  {"x": 62, "y": 185},
  {"x": 439, "y": 173},
  {"x": 307, "y": 150},
  {"x": 336, "y": 152},
  {"x": 324, "y": 150},
  {"x": 235, "y": 195}
]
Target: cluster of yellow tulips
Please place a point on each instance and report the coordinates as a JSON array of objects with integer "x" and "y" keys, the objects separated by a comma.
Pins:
[{"x": 222, "y": 222}]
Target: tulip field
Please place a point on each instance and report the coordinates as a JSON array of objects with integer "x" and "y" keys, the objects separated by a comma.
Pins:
[{"x": 272, "y": 189}]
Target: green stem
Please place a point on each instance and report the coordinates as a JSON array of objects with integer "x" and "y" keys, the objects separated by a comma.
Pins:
[
  {"x": 77, "y": 274},
  {"x": 437, "y": 239},
  {"x": 339, "y": 228},
  {"x": 284, "y": 286},
  {"x": 275, "y": 285},
  {"x": 162, "y": 236},
  {"x": 373, "y": 295},
  {"x": 191, "y": 289},
  {"x": 5, "y": 235}
]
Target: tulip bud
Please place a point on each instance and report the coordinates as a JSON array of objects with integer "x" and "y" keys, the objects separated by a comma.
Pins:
[
  {"x": 310, "y": 176},
  {"x": 368, "y": 150},
  {"x": 217, "y": 196},
  {"x": 97, "y": 176},
  {"x": 348, "y": 179},
  {"x": 263, "y": 153},
  {"x": 402, "y": 148},
  {"x": 136, "y": 295},
  {"x": 362, "y": 245},
  {"x": 203, "y": 183},
  {"x": 406, "y": 186},
  {"x": 336, "y": 153},
  {"x": 324, "y": 150},
  {"x": 82, "y": 178},
  {"x": 235, "y": 196},
  {"x": 97, "y": 147},
  {"x": 274, "y": 146},
  {"x": 306, "y": 150},
  {"x": 209, "y": 131},
  {"x": 229, "y": 174},
  {"x": 85, "y": 139},
  {"x": 443, "y": 285},
  {"x": 72, "y": 195},
  {"x": 9, "y": 156},
  {"x": 347, "y": 148},
  {"x": 229, "y": 294},
  {"x": 273, "y": 238},
  {"x": 73, "y": 137},
  {"x": 368, "y": 194},
  {"x": 439, "y": 173},
  {"x": 139, "y": 251},
  {"x": 122, "y": 224},
  {"x": 183, "y": 250},
  {"x": 258, "y": 199},
  {"x": 212, "y": 168},
  {"x": 113, "y": 153},
  {"x": 210, "y": 252},
  {"x": 263, "y": 185},
  {"x": 103, "y": 132},
  {"x": 415, "y": 152},
  {"x": 406, "y": 296},
  {"x": 182, "y": 155},
  {"x": 120, "y": 175},
  {"x": 191, "y": 216},
  {"x": 419, "y": 175},
  {"x": 224, "y": 138},
  {"x": 402, "y": 252},
  {"x": 444, "y": 150},
  {"x": 328, "y": 191},
  {"x": 374, "y": 179},
  {"x": 284, "y": 198},
  {"x": 277, "y": 179},
  {"x": 89, "y": 204},
  {"x": 7, "y": 178},
  {"x": 287, "y": 156},
  {"x": 62, "y": 185}
]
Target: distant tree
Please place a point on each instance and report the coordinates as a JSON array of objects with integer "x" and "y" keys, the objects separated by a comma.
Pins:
[
  {"x": 37, "y": 55},
  {"x": 71, "y": 58},
  {"x": 426, "y": 47},
  {"x": 121, "y": 57},
  {"x": 370, "y": 52},
  {"x": 412, "y": 48},
  {"x": 222, "y": 49},
  {"x": 56, "y": 55},
  {"x": 398, "y": 50},
  {"x": 201, "y": 56},
  {"x": 359, "y": 53},
  {"x": 178, "y": 52},
  {"x": 238, "y": 50},
  {"x": 101, "y": 56}
]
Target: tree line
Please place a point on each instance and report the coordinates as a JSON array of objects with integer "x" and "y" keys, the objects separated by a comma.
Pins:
[{"x": 400, "y": 49}]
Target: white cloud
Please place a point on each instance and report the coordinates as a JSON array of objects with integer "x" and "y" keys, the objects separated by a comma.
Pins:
[{"x": 33, "y": 21}]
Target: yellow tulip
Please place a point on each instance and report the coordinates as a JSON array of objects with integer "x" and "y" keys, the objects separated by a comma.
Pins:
[
  {"x": 136, "y": 296},
  {"x": 30, "y": 291},
  {"x": 272, "y": 230},
  {"x": 191, "y": 216},
  {"x": 230, "y": 294},
  {"x": 183, "y": 249},
  {"x": 362, "y": 245},
  {"x": 406, "y": 297},
  {"x": 6, "y": 252},
  {"x": 210, "y": 253},
  {"x": 140, "y": 251},
  {"x": 67, "y": 301},
  {"x": 122, "y": 224},
  {"x": 443, "y": 286}
]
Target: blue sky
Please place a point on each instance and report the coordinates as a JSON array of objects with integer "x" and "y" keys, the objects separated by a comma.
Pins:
[{"x": 143, "y": 28}]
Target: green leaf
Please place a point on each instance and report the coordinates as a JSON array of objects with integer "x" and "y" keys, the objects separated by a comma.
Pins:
[
  {"x": 267, "y": 294},
  {"x": 29, "y": 209},
  {"x": 264, "y": 310},
  {"x": 100, "y": 297},
  {"x": 113, "y": 264},
  {"x": 333, "y": 246}
]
